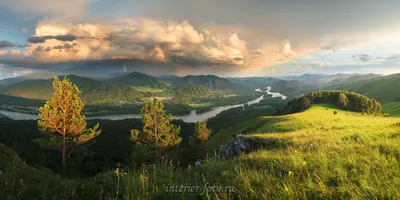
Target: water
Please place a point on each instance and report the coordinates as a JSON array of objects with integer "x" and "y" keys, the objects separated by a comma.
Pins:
[
  {"x": 274, "y": 94},
  {"x": 192, "y": 117}
]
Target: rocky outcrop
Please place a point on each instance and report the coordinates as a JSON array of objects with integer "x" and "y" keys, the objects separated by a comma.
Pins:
[{"x": 241, "y": 144}]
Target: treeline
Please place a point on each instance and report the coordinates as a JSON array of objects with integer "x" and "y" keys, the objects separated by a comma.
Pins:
[{"x": 343, "y": 99}]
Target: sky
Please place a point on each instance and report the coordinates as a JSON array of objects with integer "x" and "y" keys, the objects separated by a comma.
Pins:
[{"x": 181, "y": 37}]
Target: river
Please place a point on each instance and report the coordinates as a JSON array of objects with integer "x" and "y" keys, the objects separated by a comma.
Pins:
[{"x": 192, "y": 117}]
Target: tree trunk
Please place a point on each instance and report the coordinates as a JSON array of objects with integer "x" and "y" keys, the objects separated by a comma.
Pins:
[
  {"x": 156, "y": 154},
  {"x": 63, "y": 156}
]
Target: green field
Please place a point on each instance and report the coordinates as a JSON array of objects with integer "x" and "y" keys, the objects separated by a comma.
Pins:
[{"x": 149, "y": 89}]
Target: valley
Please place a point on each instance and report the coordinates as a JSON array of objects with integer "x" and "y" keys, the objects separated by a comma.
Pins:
[{"x": 312, "y": 129}]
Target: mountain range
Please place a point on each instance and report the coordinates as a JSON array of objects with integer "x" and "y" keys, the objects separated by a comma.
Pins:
[{"x": 126, "y": 88}]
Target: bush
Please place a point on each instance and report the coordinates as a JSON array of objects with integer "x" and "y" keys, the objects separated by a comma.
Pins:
[{"x": 335, "y": 112}]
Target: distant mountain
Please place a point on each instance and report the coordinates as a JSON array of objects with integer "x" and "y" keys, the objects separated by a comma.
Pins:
[
  {"x": 11, "y": 81},
  {"x": 210, "y": 81},
  {"x": 382, "y": 88},
  {"x": 286, "y": 87},
  {"x": 353, "y": 79},
  {"x": 195, "y": 91},
  {"x": 304, "y": 77},
  {"x": 169, "y": 77},
  {"x": 92, "y": 91},
  {"x": 138, "y": 79},
  {"x": 255, "y": 82},
  {"x": 11, "y": 100}
]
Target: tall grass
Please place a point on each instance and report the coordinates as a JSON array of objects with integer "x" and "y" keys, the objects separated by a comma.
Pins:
[{"x": 311, "y": 155}]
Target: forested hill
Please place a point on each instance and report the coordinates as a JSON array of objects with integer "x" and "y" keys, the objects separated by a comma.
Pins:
[
  {"x": 195, "y": 91},
  {"x": 210, "y": 81},
  {"x": 340, "y": 98},
  {"x": 92, "y": 91},
  {"x": 139, "y": 80}
]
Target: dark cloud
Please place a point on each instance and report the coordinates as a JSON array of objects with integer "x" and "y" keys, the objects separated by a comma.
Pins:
[
  {"x": 39, "y": 48},
  {"x": 66, "y": 46},
  {"x": 393, "y": 57},
  {"x": 362, "y": 57},
  {"x": 7, "y": 44},
  {"x": 42, "y": 39},
  {"x": 58, "y": 47},
  {"x": 369, "y": 58},
  {"x": 330, "y": 47}
]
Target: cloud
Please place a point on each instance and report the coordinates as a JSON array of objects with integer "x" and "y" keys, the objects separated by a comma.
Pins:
[
  {"x": 334, "y": 48},
  {"x": 42, "y": 39},
  {"x": 132, "y": 39},
  {"x": 375, "y": 59},
  {"x": 54, "y": 7},
  {"x": 13, "y": 71},
  {"x": 7, "y": 44},
  {"x": 362, "y": 57},
  {"x": 286, "y": 52},
  {"x": 311, "y": 65}
]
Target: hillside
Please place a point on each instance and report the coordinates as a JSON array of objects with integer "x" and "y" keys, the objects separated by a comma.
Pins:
[
  {"x": 255, "y": 82},
  {"x": 392, "y": 108},
  {"x": 353, "y": 79},
  {"x": 384, "y": 89},
  {"x": 210, "y": 81},
  {"x": 138, "y": 79},
  {"x": 194, "y": 91},
  {"x": 21, "y": 181},
  {"x": 316, "y": 155},
  {"x": 286, "y": 87},
  {"x": 92, "y": 91},
  {"x": 310, "y": 155}
]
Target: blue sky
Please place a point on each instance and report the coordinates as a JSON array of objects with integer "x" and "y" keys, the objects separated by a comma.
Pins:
[{"x": 226, "y": 37}]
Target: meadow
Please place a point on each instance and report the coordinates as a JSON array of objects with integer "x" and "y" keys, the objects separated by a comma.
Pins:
[{"x": 314, "y": 154}]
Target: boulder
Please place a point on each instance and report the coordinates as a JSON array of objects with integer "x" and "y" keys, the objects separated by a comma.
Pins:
[{"x": 241, "y": 144}]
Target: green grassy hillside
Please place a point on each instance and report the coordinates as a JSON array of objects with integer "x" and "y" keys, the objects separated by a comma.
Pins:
[
  {"x": 316, "y": 154},
  {"x": 393, "y": 109},
  {"x": 384, "y": 89},
  {"x": 195, "y": 91},
  {"x": 310, "y": 155},
  {"x": 210, "y": 81},
  {"x": 21, "y": 181}
]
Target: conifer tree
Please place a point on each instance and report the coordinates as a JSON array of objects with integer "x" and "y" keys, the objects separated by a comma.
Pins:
[
  {"x": 201, "y": 135},
  {"x": 158, "y": 132},
  {"x": 61, "y": 120}
]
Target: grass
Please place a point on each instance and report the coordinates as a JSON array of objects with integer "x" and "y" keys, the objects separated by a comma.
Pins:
[
  {"x": 311, "y": 155},
  {"x": 316, "y": 154},
  {"x": 392, "y": 108},
  {"x": 149, "y": 89}
]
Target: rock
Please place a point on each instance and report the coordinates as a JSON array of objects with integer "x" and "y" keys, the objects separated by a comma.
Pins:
[
  {"x": 197, "y": 164},
  {"x": 241, "y": 144}
]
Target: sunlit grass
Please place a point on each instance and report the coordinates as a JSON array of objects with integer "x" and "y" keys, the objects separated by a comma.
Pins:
[
  {"x": 310, "y": 155},
  {"x": 149, "y": 89},
  {"x": 392, "y": 108}
]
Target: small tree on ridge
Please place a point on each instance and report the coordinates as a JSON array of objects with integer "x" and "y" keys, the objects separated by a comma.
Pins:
[
  {"x": 158, "y": 132},
  {"x": 201, "y": 135},
  {"x": 62, "y": 121}
]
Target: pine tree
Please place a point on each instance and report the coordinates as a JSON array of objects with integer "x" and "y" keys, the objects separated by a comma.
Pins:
[
  {"x": 201, "y": 135},
  {"x": 158, "y": 132},
  {"x": 61, "y": 120}
]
